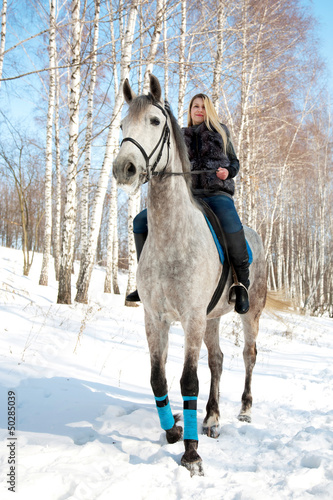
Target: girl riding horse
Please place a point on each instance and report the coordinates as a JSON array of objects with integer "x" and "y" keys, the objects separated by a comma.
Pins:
[{"x": 211, "y": 152}]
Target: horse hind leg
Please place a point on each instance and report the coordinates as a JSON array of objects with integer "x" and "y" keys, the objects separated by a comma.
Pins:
[
  {"x": 211, "y": 424},
  {"x": 251, "y": 328}
]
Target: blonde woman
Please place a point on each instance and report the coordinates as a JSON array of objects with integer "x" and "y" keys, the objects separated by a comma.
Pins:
[{"x": 211, "y": 152}]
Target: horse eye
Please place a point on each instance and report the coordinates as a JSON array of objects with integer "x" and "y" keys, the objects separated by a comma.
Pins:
[
  {"x": 155, "y": 121},
  {"x": 121, "y": 127}
]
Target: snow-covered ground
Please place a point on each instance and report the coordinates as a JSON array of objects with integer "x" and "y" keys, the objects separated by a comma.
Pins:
[{"x": 87, "y": 427}]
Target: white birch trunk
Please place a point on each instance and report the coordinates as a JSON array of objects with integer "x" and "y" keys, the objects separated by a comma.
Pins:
[
  {"x": 112, "y": 230},
  {"x": 68, "y": 234},
  {"x": 88, "y": 139},
  {"x": 165, "y": 49},
  {"x": 182, "y": 77},
  {"x": 85, "y": 275},
  {"x": 115, "y": 252},
  {"x": 113, "y": 49},
  {"x": 140, "y": 66},
  {"x": 3, "y": 34},
  {"x": 57, "y": 215},
  {"x": 132, "y": 259},
  {"x": 153, "y": 45},
  {"x": 293, "y": 284},
  {"x": 221, "y": 19},
  {"x": 134, "y": 200},
  {"x": 323, "y": 207},
  {"x": 111, "y": 277},
  {"x": 44, "y": 276}
]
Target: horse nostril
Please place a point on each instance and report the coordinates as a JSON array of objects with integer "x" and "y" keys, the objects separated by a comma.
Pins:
[{"x": 130, "y": 169}]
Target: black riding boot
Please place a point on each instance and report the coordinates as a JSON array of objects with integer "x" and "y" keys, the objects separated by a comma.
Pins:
[
  {"x": 239, "y": 259},
  {"x": 139, "y": 239}
]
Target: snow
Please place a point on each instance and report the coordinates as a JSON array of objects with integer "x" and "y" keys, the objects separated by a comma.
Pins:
[{"x": 87, "y": 427}]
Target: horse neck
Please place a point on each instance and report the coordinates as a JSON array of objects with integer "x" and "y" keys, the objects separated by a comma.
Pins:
[{"x": 169, "y": 204}]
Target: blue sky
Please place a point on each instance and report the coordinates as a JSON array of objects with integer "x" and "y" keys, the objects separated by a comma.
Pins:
[{"x": 323, "y": 11}]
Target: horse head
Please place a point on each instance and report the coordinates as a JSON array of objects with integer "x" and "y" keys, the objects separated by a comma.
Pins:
[{"x": 144, "y": 151}]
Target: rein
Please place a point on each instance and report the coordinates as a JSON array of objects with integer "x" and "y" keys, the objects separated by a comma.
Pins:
[{"x": 193, "y": 172}]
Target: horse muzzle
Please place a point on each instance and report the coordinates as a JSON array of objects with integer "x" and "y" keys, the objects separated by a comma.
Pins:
[{"x": 127, "y": 174}]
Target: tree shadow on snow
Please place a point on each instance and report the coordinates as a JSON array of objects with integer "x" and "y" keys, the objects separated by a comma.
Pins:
[{"x": 74, "y": 408}]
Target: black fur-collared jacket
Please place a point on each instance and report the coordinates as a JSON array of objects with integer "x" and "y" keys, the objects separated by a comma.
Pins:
[{"x": 205, "y": 149}]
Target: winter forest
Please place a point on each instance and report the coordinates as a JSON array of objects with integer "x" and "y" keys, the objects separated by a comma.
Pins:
[{"x": 62, "y": 65}]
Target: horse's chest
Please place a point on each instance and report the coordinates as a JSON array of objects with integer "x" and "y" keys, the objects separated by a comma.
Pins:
[{"x": 165, "y": 271}]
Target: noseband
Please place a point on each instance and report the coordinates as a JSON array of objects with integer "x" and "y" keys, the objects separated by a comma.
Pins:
[{"x": 164, "y": 139}]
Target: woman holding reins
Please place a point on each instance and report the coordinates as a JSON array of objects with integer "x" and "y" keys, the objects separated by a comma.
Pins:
[{"x": 211, "y": 152}]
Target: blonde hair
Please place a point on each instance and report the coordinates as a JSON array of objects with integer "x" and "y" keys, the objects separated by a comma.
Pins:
[{"x": 211, "y": 118}]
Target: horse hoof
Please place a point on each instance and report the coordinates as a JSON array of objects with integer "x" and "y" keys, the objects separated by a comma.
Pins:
[
  {"x": 195, "y": 468},
  {"x": 212, "y": 432},
  {"x": 174, "y": 434},
  {"x": 243, "y": 417}
]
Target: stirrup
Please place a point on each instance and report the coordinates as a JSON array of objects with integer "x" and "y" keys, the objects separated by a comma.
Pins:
[
  {"x": 242, "y": 304},
  {"x": 235, "y": 285}
]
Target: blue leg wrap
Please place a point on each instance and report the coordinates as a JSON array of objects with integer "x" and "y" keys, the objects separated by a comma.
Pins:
[
  {"x": 190, "y": 418},
  {"x": 164, "y": 412}
]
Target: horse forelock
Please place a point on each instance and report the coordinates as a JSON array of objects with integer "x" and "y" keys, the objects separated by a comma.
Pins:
[{"x": 139, "y": 105}]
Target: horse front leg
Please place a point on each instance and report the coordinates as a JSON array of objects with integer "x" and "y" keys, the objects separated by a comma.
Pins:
[
  {"x": 194, "y": 332},
  {"x": 251, "y": 328},
  {"x": 157, "y": 336},
  {"x": 211, "y": 424}
]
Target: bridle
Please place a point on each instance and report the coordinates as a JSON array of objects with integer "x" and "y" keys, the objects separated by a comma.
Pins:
[{"x": 164, "y": 139}]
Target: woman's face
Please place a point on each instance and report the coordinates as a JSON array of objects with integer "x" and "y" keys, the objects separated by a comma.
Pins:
[{"x": 198, "y": 112}]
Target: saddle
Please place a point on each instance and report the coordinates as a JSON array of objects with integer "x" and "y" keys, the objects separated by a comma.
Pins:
[{"x": 219, "y": 238}]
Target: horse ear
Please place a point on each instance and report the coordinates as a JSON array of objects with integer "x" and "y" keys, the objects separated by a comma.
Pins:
[
  {"x": 155, "y": 87},
  {"x": 128, "y": 92}
]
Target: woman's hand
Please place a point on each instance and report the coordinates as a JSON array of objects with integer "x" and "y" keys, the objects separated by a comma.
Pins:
[{"x": 222, "y": 173}]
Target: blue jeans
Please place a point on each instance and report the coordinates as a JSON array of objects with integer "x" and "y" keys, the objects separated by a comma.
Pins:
[{"x": 223, "y": 206}]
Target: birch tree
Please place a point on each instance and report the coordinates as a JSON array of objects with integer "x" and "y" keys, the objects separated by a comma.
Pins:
[
  {"x": 57, "y": 214},
  {"x": 134, "y": 200},
  {"x": 112, "y": 247},
  {"x": 132, "y": 258},
  {"x": 44, "y": 276},
  {"x": 182, "y": 77},
  {"x": 3, "y": 34},
  {"x": 111, "y": 146},
  {"x": 84, "y": 202},
  {"x": 153, "y": 45},
  {"x": 68, "y": 234},
  {"x": 111, "y": 275},
  {"x": 221, "y": 20},
  {"x": 165, "y": 51}
]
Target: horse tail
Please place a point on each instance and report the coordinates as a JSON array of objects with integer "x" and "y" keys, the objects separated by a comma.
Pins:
[{"x": 277, "y": 301}]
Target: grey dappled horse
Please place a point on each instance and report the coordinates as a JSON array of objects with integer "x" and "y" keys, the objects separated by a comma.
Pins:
[{"x": 179, "y": 269}]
